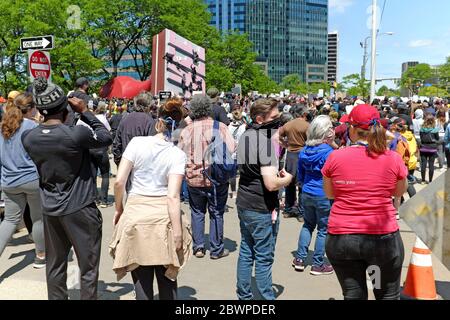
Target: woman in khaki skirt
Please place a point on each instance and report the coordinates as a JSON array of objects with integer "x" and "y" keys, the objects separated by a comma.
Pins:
[{"x": 151, "y": 233}]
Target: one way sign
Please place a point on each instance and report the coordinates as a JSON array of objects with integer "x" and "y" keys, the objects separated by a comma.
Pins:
[{"x": 36, "y": 43}]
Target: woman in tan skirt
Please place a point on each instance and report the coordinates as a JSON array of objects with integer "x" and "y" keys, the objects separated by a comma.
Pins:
[{"x": 151, "y": 233}]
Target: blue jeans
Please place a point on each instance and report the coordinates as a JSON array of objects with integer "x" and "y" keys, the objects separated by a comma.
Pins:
[
  {"x": 184, "y": 191},
  {"x": 199, "y": 199},
  {"x": 258, "y": 239},
  {"x": 317, "y": 210}
]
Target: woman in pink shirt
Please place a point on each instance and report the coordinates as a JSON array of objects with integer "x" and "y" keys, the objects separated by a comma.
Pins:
[{"x": 363, "y": 233}]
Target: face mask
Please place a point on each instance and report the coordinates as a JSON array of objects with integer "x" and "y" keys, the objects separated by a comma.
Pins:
[{"x": 274, "y": 124}]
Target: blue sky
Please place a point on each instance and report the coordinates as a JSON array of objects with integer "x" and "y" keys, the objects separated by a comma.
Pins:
[{"x": 421, "y": 27}]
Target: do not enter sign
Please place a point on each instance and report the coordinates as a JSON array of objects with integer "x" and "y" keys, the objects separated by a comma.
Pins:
[{"x": 39, "y": 64}]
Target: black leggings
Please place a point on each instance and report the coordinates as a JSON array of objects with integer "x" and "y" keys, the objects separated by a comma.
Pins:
[
  {"x": 143, "y": 283},
  {"x": 429, "y": 158}
]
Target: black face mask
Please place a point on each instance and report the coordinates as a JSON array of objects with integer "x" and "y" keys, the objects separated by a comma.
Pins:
[{"x": 272, "y": 125}]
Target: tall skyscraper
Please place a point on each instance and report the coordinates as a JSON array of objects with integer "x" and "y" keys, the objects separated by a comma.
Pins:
[
  {"x": 227, "y": 14},
  {"x": 333, "y": 47},
  {"x": 290, "y": 36}
]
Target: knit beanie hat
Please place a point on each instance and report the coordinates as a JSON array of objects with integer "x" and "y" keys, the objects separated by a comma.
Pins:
[{"x": 48, "y": 97}]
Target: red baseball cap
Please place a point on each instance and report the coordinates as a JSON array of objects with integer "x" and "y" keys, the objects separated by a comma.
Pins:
[
  {"x": 363, "y": 116},
  {"x": 385, "y": 123},
  {"x": 344, "y": 118}
]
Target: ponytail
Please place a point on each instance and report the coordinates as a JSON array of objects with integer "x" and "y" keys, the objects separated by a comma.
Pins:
[
  {"x": 377, "y": 140},
  {"x": 11, "y": 122},
  {"x": 375, "y": 137},
  {"x": 170, "y": 115},
  {"x": 14, "y": 115}
]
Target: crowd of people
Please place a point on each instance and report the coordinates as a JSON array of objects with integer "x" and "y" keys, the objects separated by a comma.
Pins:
[{"x": 342, "y": 166}]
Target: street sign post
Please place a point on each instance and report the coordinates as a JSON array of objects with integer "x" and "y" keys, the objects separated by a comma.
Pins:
[
  {"x": 164, "y": 95},
  {"x": 39, "y": 64},
  {"x": 37, "y": 43}
]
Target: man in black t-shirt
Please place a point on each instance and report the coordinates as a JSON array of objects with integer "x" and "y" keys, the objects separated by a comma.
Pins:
[
  {"x": 68, "y": 190},
  {"x": 81, "y": 92},
  {"x": 136, "y": 124},
  {"x": 257, "y": 200}
]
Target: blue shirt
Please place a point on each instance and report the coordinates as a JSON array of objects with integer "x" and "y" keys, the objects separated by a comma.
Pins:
[
  {"x": 310, "y": 163},
  {"x": 447, "y": 137},
  {"x": 17, "y": 168}
]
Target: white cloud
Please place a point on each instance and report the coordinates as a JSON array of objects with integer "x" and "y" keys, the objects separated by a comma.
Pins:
[
  {"x": 340, "y": 5},
  {"x": 420, "y": 43}
]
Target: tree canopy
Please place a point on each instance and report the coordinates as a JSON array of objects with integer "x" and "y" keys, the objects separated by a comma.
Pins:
[
  {"x": 415, "y": 77},
  {"x": 71, "y": 55},
  {"x": 109, "y": 30},
  {"x": 293, "y": 82},
  {"x": 355, "y": 86}
]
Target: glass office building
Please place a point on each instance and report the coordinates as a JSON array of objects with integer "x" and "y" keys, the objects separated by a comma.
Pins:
[
  {"x": 289, "y": 35},
  {"x": 228, "y": 14}
]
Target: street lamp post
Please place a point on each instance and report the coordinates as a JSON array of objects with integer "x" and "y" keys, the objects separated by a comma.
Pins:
[
  {"x": 373, "y": 70},
  {"x": 365, "y": 46}
]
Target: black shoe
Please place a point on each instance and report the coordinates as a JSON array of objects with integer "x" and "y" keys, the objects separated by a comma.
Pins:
[
  {"x": 290, "y": 214},
  {"x": 199, "y": 253},
  {"x": 224, "y": 253},
  {"x": 39, "y": 263}
]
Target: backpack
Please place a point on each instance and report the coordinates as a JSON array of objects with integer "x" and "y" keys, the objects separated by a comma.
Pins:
[
  {"x": 222, "y": 165},
  {"x": 400, "y": 145}
]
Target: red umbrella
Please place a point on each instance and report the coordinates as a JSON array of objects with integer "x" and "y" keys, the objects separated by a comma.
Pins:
[{"x": 124, "y": 87}]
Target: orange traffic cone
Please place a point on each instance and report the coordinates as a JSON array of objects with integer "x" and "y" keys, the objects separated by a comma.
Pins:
[{"x": 420, "y": 278}]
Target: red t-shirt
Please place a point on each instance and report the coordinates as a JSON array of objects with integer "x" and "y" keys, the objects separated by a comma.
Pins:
[{"x": 363, "y": 188}]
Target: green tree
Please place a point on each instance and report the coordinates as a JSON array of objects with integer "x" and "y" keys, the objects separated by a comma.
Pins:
[
  {"x": 433, "y": 91},
  {"x": 40, "y": 17},
  {"x": 415, "y": 77},
  {"x": 262, "y": 83},
  {"x": 382, "y": 91},
  {"x": 126, "y": 27},
  {"x": 294, "y": 83},
  {"x": 291, "y": 82},
  {"x": 315, "y": 87},
  {"x": 385, "y": 91},
  {"x": 444, "y": 74},
  {"x": 231, "y": 60},
  {"x": 355, "y": 86}
]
